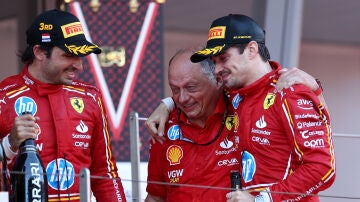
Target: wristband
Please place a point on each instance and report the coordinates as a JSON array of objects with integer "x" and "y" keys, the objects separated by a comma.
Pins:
[
  {"x": 169, "y": 103},
  {"x": 319, "y": 90},
  {"x": 10, "y": 154}
]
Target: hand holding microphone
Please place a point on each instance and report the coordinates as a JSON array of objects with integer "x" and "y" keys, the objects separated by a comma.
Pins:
[{"x": 235, "y": 184}]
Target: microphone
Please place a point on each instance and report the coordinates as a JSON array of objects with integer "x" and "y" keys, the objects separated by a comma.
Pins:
[{"x": 235, "y": 180}]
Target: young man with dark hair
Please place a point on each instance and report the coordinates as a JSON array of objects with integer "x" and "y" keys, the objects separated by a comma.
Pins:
[
  {"x": 66, "y": 117},
  {"x": 285, "y": 136}
]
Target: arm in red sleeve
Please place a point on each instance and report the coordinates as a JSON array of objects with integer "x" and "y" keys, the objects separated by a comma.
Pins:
[
  {"x": 109, "y": 188},
  {"x": 309, "y": 133},
  {"x": 155, "y": 173}
]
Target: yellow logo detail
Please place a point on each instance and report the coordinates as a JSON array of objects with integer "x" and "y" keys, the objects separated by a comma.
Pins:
[
  {"x": 217, "y": 33},
  {"x": 174, "y": 154},
  {"x": 72, "y": 29},
  {"x": 80, "y": 49},
  {"x": 232, "y": 121},
  {"x": 211, "y": 51},
  {"x": 242, "y": 37},
  {"x": 269, "y": 100},
  {"x": 77, "y": 104},
  {"x": 43, "y": 26}
]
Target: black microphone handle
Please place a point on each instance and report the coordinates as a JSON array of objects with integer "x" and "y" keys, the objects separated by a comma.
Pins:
[{"x": 235, "y": 180}]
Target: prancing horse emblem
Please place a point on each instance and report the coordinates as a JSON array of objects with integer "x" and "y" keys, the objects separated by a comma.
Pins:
[{"x": 77, "y": 104}]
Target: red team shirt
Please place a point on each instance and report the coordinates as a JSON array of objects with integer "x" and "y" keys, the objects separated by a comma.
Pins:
[
  {"x": 194, "y": 172},
  {"x": 72, "y": 134},
  {"x": 285, "y": 138},
  {"x": 282, "y": 139}
]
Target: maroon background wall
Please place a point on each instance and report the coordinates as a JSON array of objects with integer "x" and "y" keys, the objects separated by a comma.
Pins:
[{"x": 114, "y": 27}]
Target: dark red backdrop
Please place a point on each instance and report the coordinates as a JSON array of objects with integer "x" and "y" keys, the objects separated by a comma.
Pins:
[{"x": 113, "y": 25}]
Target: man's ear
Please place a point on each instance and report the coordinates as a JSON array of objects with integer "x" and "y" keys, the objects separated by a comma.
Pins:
[
  {"x": 253, "y": 47},
  {"x": 39, "y": 53}
]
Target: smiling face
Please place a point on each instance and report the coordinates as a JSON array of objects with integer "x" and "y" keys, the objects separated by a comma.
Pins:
[
  {"x": 194, "y": 92},
  {"x": 232, "y": 67},
  {"x": 240, "y": 65},
  {"x": 59, "y": 68}
]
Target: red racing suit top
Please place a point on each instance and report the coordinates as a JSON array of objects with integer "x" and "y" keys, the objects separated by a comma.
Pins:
[
  {"x": 188, "y": 171},
  {"x": 72, "y": 134},
  {"x": 285, "y": 138}
]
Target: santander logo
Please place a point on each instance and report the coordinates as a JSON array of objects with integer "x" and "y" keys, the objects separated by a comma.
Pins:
[{"x": 261, "y": 123}]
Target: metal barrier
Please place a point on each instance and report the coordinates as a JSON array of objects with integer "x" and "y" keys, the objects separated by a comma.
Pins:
[
  {"x": 135, "y": 154},
  {"x": 85, "y": 191},
  {"x": 345, "y": 187},
  {"x": 329, "y": 195}
]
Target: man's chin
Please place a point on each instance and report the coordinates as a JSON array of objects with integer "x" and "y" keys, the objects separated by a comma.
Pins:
[
  {"x": 192, "y": 115},
  {"x": 67, "y": 81},
  {"x": 229, "y": 84}
]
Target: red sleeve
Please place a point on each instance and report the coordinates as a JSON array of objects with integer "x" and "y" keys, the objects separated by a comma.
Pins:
[
  {"x": 155, "y": 171},
  {"x": 104, "y": 164},
  {"x": 307, "y": 123}
]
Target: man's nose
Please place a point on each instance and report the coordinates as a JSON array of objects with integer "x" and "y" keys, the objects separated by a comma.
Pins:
[
  {"x": 78, "y": 64},
  {"x": 218, "y": 70},
  {"x": 183, "y": 96}
]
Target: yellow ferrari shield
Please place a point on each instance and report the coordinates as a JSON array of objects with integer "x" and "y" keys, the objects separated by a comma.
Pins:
[
  {"x": 269, "y": 100},
  {"x": 232, "y": 121},
  {"x": 77, "y": 104}
]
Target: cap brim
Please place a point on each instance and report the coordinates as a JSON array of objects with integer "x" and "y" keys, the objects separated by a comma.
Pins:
[
  {"x": 81, "y": 48},
  {"x": 198, "y": 57},
  {"x": 208, "y": 52}
]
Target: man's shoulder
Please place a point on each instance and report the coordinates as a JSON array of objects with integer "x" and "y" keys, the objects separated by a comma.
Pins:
[
  {"x": 86, "y": 89},
  {"x": 86, "y": 86},
  {"x": 297, "y": 89},
  {"x": 10, "y": 83}
]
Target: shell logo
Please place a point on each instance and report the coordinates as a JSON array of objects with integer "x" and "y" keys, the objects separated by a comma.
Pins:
[{"x": 174, "y": 154}]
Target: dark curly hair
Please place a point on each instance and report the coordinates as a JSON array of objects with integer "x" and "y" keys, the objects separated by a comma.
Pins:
[{"x": 27, "y": 56}]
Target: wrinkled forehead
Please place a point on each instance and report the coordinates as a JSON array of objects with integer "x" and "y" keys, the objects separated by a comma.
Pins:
[{"x": 188, "y": 78}]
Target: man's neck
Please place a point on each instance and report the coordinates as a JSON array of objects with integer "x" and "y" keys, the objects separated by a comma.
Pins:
[{"x": 257, "y": 71}]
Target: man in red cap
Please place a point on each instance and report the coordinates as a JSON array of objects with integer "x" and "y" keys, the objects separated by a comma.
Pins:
[
  {"x": 66, "y": 117},
  {"x": 285, "y": 136},
  {"x": 270, "y": 137}
]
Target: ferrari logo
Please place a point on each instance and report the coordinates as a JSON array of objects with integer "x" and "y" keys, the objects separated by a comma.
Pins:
[
  {"x": 77, "y": 104},
  {"x": 232, "y": 122},
  {"x": 269, "y": 100}
]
